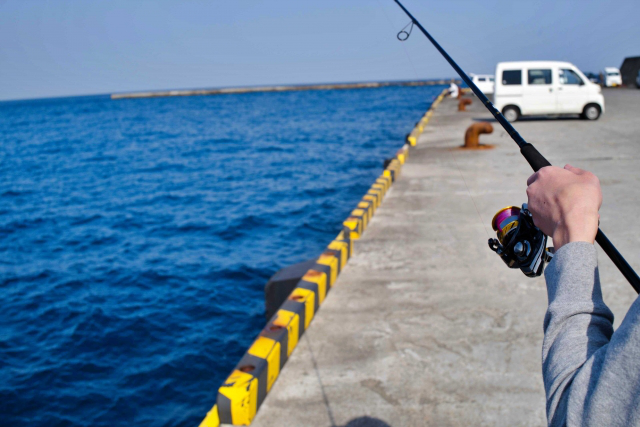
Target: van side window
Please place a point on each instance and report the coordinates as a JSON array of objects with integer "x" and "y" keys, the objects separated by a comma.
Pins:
[
  {"x": 482, "y": 79},
  {"x": 539, "y": 77},
  {"x": 569, "y": 77},
  {"x": 512, "y": 77}
]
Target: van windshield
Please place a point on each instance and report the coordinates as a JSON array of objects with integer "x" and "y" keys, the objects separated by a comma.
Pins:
[
  {"x": 569, "y": 77},
  {"x": 612, "y": 73}
]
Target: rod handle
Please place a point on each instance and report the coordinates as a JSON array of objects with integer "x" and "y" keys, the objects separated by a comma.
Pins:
[
  {"x": 533, "y": 156},
  {"x": 618, "y": 260}
]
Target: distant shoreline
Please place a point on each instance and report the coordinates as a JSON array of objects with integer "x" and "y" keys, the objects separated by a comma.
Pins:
[{"x": 280, "y": 88}]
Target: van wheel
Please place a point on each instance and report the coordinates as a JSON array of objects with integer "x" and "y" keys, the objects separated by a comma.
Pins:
[
  {"x": 511, "y": 113},
  {"x": 591, "y": 112}
]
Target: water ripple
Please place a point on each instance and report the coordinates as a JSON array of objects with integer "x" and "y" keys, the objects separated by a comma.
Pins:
[{"x": 137, "y": 235}]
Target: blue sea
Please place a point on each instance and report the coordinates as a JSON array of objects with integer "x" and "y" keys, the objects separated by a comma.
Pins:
[{"x": 136, "y": 237}]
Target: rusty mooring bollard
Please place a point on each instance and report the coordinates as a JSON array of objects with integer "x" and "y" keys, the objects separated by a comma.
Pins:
[
  {"x": 463, "y": 104},
  {"x": 472, "y": 137}
]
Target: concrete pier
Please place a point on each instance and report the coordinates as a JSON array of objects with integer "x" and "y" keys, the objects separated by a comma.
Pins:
[{"x": 426, "y": 326}]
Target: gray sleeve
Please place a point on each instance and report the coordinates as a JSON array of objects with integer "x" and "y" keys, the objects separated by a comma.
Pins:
[{"x": 591, "y": 378}]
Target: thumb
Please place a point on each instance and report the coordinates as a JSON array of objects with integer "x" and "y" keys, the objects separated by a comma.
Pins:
[{"x": 576, "y": 171}]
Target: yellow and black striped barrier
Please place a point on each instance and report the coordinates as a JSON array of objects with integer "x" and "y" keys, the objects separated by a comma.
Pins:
[
  {"x": 245, "y": 389},
  {"x": 412, "y": 137}
]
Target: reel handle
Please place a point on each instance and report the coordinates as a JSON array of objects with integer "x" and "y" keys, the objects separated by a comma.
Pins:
[{"x": 533, "y": 156}]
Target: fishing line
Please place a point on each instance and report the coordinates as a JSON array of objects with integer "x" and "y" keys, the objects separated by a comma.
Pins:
[
  {"x": 403, "y": 35},
  {"x": 484, "y": 226},
  {"x": 406, "y": 52}
]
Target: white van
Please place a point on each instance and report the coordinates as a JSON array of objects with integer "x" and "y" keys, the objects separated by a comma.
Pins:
[
  {"x": 485, "y": 82},
  {"x": 612, "y": 77},
  {"x": 545, "y": 87}
]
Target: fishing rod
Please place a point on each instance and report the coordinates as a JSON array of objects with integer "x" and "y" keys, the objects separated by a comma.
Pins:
[{"x": 520, "y": 244}]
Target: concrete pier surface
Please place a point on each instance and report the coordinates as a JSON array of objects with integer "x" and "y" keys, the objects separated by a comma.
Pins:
[{"x": 426, "y": 326}]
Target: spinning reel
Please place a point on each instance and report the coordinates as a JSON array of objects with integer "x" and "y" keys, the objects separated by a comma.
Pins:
[{"x": 520, "y": 243}]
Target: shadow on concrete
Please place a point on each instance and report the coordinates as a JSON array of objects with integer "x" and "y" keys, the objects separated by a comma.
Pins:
[
  {"x": 366, "y": 422},
  {"x": 531, "y": 119}
]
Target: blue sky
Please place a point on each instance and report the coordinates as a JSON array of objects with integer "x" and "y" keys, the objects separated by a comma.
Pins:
[{"x": 77, "y": 47}]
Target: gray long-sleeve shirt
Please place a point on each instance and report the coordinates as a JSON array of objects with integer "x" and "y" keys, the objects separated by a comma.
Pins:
[{"x": 591, "y": 374}]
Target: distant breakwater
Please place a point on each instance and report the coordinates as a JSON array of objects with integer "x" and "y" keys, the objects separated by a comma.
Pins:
[{"x": 291, "y": 88}]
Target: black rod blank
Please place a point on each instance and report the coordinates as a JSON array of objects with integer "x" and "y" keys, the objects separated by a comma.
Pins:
[{"x": 533, "y": 156}]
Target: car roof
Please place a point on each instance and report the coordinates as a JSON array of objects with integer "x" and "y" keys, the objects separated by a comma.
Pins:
[
  {"x": 611, "y": 69},
  {"x": 528, "y": 64}
]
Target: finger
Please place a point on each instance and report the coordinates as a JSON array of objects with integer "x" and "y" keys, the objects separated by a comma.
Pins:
[
  {"x": 576, "y": 171},
  {"x": 532, "y": 179},
  {"x": 532, "y": 194},
  {"x": 534, "y": 217}
]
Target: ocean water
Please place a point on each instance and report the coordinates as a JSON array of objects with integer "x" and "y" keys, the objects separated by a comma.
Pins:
[{"x": 136, "y": 237}]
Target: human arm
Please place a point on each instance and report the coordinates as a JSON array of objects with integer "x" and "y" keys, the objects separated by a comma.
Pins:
[
  {"x": 576, "y": 326},
  {"x": 588, "y": 375},
  {"x": 591, "y": 375}
]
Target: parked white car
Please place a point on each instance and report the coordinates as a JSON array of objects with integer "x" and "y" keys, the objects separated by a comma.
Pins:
[
  {"x": 485, "y": 82},
  {"x": 545, "y": 87},
  {"x": 612, "y": 77}
]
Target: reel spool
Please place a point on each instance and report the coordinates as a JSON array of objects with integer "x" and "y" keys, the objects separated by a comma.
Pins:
[{"x": 520, "y": 243}]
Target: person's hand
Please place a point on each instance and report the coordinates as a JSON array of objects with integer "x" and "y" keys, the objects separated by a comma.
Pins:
[{"x": 564, "y": 204}]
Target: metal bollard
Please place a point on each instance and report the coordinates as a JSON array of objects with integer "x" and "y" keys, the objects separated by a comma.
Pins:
[
  {"x": 463, "y": 104},
  {"x": 472, "y": 136}
]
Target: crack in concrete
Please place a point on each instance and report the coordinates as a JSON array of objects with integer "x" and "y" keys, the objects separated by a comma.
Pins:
[
  {"x": 376, "y": 387},
  {"x": 324, "y": 394}
]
